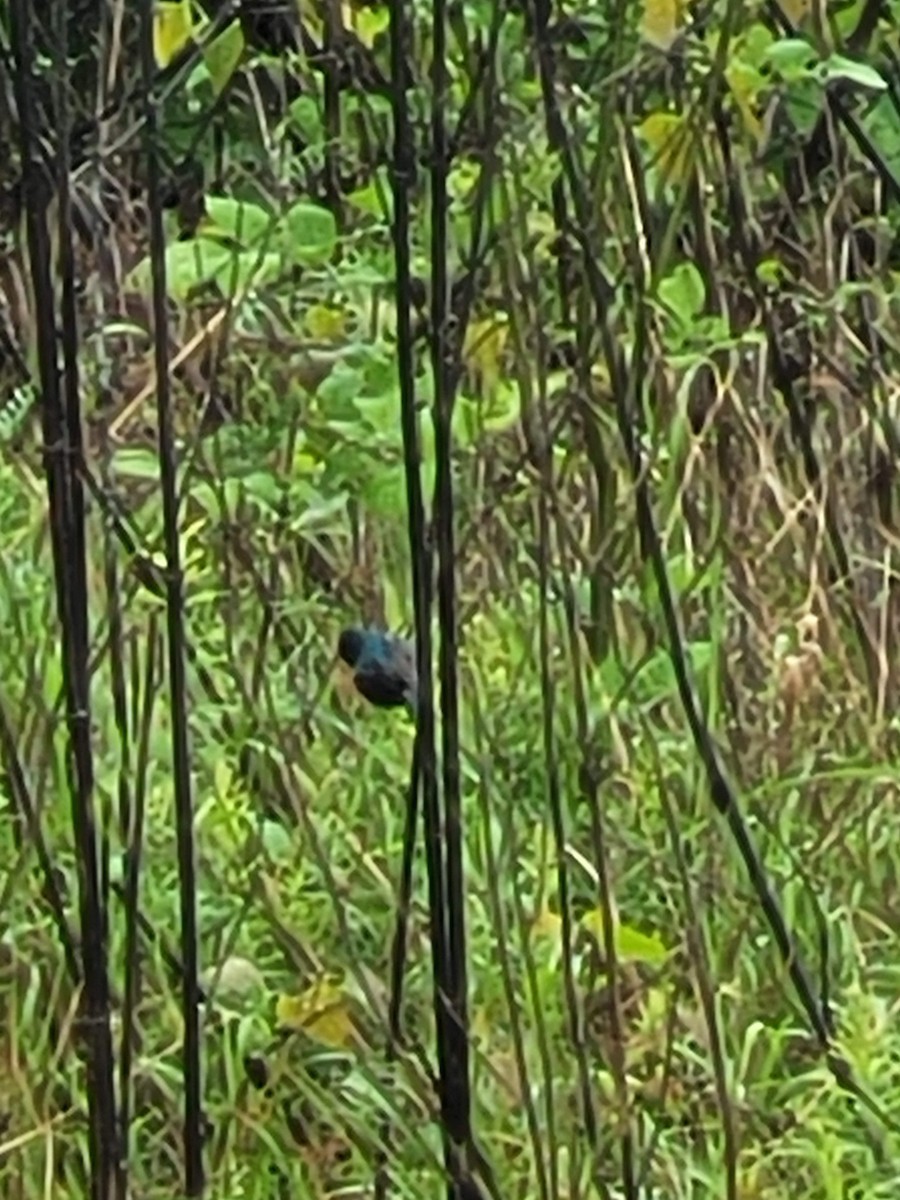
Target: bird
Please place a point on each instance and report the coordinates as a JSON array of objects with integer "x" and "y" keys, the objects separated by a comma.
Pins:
[{"x": 384, "y": 667}]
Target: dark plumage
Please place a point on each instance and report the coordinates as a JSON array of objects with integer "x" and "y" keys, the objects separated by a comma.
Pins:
[{"x": 384, "y": 667}]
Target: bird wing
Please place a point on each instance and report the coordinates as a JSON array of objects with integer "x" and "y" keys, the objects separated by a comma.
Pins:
[{"x": 406, "y": 653}]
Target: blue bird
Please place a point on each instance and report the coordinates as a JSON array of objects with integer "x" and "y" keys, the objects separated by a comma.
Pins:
[{"x": 384, "y": 667}]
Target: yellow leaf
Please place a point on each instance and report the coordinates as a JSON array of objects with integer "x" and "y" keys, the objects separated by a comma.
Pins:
[
  {"x": 480, "y": 1028},
  {"x": 669, "y": 139},
  {"x": 546, "y": 937},
  {"x": 796, "y": 11},
  {"x": 661, "y": 22},
  {"x": 223, "y": 777},
  {"x": 483, "y": 349},
  {"x": 322, "y": 1012},
  {"x": 325, "y": 323},
  {"x": 309, "y": 18},
  {"x": 173, "y": 28},
  {"x": 631, "y": 945}
]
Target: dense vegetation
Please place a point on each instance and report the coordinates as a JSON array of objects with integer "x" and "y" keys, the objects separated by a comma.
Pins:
[{"x": 671, "y": 254}]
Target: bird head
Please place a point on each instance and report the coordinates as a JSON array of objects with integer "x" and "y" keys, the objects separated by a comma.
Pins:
[{"x": 350, "y": 645}]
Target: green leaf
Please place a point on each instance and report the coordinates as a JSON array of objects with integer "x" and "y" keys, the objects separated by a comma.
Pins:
[
  {"x": 368, "y": 23},
  {"x": 655, "y": 680},
  {"x": 188, "y": 265},
  {"x": 306, "y": 115},
  {"x": 838, "y": 67},
  {"x": 239, "y": 220},
  {"x": 661, "y": 22},
  {"x": 384, "y": 492},
  {"x": 362, "y": 275},
  {"x": 634, "y": 946},
  {"x": 136, "y": 463},
  {"x": 342, "y": 386},
  {"x": 246, "y": 269},
  {"x": 308, "y": 234},
  {"x": 381, "y": 414},
  {"x": 755, "y": 44},
  {"x": 792, "y": 58},
  {"x": 683, "y": 292},
  {"x": 276, "y": 840},
  {"x": 770, "y": 272},
  {"x": 376, "y": 197},
  {"x": 882, "y": 124},
  {"x": 235, "y": 977},
  {"x": 263, "y": 488},
  {"x": 803, "y": 103},
  {"x": 631, "y": 944},
  {"x": 318, "y": 515},
  {"x": 223, "y": 54},
  {"x": 173, "y": 28}
]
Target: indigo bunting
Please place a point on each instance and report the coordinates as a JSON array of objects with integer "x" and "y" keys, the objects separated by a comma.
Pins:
[{"x": 384, "y": 667}]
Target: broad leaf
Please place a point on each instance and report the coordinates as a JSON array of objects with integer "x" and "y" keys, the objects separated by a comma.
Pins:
[
  {"x": 223, "y": 54},
  {"x": 838, "y": 67},
  {"x": 239, "y": 220},
  {"x": 322, "y": 1012},
  {"x": 669, "y": 141},
  {"x": 173, "y": 28},
  {"x": 661, "y": 22},
  {"x": 308, "y": 233}
]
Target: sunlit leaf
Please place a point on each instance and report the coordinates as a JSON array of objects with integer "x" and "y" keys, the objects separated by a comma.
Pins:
[
  {"x": 223, "y": 777},
  {"x": 173, "y": 28},
  {"x": 546, "y": 936},
  {"x": 755, "y": 43},
  {"x": 136, "y": 462},
  {"x": 310, "y": 18},
  {"x": 745, "y": 83},
  {"x": 188, "y": 264},
  {"x": 770, "y": 271},
  {"x": 792, "y": 58},
  {"x": 547, "y": 924},
  {"x": 838, "y": 67},
  {"x": 661, "y": 22},
  {"x": 365, "y": 21},
  {"x": 483, "y": 349},
  {"x": 464, "y": 175},
  {"x": 322, "y": 1012},
  {"x": 375, "y": 197},
  {"x": 325, "y": 323},
  {"x": 668, "y": 138},
  {"x": 239, "y": 220},
  {"x": 634, "y": 946},
  {"x": 683, "y": 292},
  {"x": 631, "y": 945},
  {"x": 796, "y": 11},
  {"x": 480, "y": 1026}
]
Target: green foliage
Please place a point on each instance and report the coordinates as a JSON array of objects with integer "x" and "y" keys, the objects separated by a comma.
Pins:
[{"x": 294, "y": 522}]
